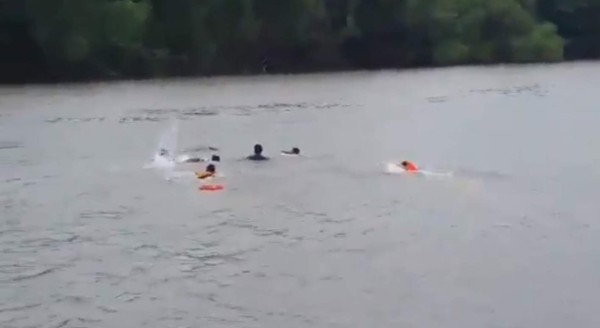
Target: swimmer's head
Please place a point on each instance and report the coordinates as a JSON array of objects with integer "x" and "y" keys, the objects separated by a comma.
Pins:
[
  {"x": 296, "y": 151},
  {"x": 211, "y": 168},
  {"x": 258, "y": 149},
  {"x": 163, "y": 152},
  {"x": 215, "y": 158},
  {"x": 404, "y": 163}
]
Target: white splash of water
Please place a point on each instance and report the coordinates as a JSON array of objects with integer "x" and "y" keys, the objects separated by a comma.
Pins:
[
  {"x": 168, "y": 143},
  {"x": 394, "y": 168}
]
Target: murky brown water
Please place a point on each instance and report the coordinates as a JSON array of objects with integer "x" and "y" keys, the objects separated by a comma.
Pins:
[{"x": 91, "y": 238}]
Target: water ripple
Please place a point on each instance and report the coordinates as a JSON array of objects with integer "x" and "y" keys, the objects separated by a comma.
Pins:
[
  {"x": 108, "y": 215},
  {"x": 20, "y": 308},
  {"x": 5, "y": 145},
  {"x": 128, "y": 297},
  {"x": 75, "y": 119},
  {"x": 75, "y": 323},
  {"x": 534, "y": 89},
  {"x": 33, "y": 275}
]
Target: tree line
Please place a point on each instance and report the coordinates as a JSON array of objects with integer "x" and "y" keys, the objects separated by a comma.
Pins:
[{"x": 45, "y": 40}]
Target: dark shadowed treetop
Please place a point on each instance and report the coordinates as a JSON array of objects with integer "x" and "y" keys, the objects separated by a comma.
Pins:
[{"x": 87, "y": 39}]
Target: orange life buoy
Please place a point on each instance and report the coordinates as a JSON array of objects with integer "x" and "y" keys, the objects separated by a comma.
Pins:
[
  {"x": 410, "y": 166},
  {"x": 210, "y": 187}
]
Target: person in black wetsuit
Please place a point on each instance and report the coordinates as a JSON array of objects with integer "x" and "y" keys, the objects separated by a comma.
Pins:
[
  {"x": 294, "y": 151},
  {"x": 257, "y": 156}
]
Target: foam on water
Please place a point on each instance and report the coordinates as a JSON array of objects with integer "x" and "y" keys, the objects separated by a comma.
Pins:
[{"x": 290, "y": 155}]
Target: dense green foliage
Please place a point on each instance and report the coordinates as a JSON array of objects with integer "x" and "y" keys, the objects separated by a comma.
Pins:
[{"x": 76, "y": 39}]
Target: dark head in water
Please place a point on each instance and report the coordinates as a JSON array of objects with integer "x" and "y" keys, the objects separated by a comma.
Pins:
[
  {"x": 163, "y": 152},
  {"x": 257, "y": 156},
  {"x": 258, "y": 149},
  {"x": 210, "y": 168},
  {"x": 215, "y": 158}
]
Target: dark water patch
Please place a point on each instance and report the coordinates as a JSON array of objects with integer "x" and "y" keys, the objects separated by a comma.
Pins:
[
  {"x": 228, "y": 306},
  {"x": 46, "y": 242},
  {"x": 290, "y": 315},
  {"x": 75, "y": 119},
  {"x": 235, "y": 110},
  {"x": 33, "y": 275},
  {"x": 367, "y": 231},
  {"x": 210, "y": 257},
  {"x": 20, "y": 308},
  {"x": 158, "y": 112},
  {"x": 258, "y": 230},
  {"x": 107, "y": 309},
  {"x": 224, "y": 321},
  {"x": 193, "y": 261},
  {"x": 331, "y": 278},
  {"x": 136, "y": 119},
  {"x": 200, "y": 112},
  {"x": 75, "y": 323},
  {"x": 109, "y": 215},
  {"x": 8, "y": 323},
  {"x": 106, "y": 215},
  {"x": 336, "y": 221},
  {"x": 270, "y": 232},
  {"x": 11, "y": 231},
  {"x": 62, "y": 324},
  {"x": 74, "y": 300},
  {"x": 437, "y": 99},
  {"x": 128, "y": 297},
  {"x": 200, "y": 148},
  {"x": 204, "y": 246},
  {"x": 152, "y": 251},
  {"x": 283, "y": 106},
  {"x": 17, "y": 162},
  {"x": 213, "y": 228},
  {"x": 111, "y": 278},
  {"x": 331, "y": 106},
  {"x": 182, "y": 113},
  {"x": 145, "y": 246},
  {"x": 348, "y": 250},
  {"x": 534, "y": 89},
  {"x": 6, "y": 145},
  {"x": 314, "y": 214},
  {"x": 288, "y": 107},
  {"x": 9, "y": 180}
]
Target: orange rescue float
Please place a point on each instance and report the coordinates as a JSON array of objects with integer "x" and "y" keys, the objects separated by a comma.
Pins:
[
  {"x": 212, "y": 187},
  {"x": 410, "y": 167}
]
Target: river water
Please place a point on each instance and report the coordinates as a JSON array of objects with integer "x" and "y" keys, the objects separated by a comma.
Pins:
[{"x": 91, "y": 235}]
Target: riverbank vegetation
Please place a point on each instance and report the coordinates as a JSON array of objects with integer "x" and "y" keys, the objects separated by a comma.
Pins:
[{"x": 46, "y": 40}]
